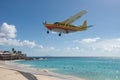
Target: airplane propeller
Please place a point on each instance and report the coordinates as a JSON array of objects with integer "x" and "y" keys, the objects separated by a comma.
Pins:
[{"x": 44, "y": 22}]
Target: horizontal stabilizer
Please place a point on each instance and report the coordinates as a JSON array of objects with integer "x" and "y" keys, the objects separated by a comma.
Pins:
[{"x": 89, "y": 26}]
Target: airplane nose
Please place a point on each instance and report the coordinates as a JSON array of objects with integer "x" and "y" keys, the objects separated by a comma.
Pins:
[{"x": 48, "y": 27}]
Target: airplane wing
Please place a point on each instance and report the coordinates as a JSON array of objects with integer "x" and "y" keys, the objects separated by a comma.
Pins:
[{"x": 75, "y": 17}]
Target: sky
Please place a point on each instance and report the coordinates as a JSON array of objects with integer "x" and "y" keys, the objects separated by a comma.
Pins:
[{"x": 21, "y": 27}]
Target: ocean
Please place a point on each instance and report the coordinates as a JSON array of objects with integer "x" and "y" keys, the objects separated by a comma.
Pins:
[{"x": 89, "y": 68}]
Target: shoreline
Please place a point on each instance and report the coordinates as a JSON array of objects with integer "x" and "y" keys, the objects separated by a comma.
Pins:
[{"x": 37, "y": 74}]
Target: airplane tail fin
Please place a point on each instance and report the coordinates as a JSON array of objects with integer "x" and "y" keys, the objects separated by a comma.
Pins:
[{"x": 84, "y": 26}]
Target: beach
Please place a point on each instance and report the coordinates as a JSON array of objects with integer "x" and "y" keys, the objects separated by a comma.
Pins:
[
  {"x": 13, "y": 71},
  {"x": 61, "y": 69}
]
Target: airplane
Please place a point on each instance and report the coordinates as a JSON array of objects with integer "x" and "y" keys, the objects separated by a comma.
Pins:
[{"x": 66, "y": 25}]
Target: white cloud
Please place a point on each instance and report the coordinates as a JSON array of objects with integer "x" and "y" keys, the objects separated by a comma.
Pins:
[
  {"x": 28, "y": 43},
  {"x": 51, "y": 48},
  {"x": 7, "y": 31},
  {"x": 42, "y": 48},
  {"x": 118, "y": 39},
  {"x": 111, "y": 45},
  {"x": 88, "y": 40},
  {"x": 8, "y": 38},
  {"x": 4, "y": 41},
  {"x": 72, "y": 48},
  {"x": 8, "y": 35},
  {"x": 14, "y": 42}
]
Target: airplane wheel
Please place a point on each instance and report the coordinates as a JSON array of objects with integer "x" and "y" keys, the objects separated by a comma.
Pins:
[
  {"x": 47, "y": 32},
  {"x": 59, "y": 34}
]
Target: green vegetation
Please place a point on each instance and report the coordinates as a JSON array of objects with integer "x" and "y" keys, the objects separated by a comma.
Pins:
[{"x": 12, "y": 55}]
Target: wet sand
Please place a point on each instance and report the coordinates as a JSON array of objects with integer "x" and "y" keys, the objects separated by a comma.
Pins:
[{"x": 13, "y": 71}]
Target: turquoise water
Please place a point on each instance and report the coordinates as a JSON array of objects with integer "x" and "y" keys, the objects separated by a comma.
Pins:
[{"x": 87, "y": 68}]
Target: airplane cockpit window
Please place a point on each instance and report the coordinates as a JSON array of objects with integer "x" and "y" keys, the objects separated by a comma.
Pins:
[{"x": 56, "y": 23}]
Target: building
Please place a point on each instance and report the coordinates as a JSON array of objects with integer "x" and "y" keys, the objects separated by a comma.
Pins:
[{"x": 7, "y": 55}]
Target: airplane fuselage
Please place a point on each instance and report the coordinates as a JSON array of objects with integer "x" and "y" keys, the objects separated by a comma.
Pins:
[
  {"x": 63, "y": 28},
  {"x": 66, "y": 25}
]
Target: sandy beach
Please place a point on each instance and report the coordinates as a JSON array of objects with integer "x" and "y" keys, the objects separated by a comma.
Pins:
[{"x": 13, "y": 71}]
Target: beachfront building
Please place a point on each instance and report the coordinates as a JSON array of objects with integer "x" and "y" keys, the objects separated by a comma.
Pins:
[{"x": 7, "y": 55}]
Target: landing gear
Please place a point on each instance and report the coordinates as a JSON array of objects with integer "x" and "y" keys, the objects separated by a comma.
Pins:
[
  {"x": 59, "y": 34},
  {"x": 47, "y": 32}
]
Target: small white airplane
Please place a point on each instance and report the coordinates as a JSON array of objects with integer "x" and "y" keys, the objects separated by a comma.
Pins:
[{"x": 66, "y": 25}]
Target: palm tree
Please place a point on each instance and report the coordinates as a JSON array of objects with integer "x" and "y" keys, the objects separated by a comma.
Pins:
[{"x": 13, "y": 50}]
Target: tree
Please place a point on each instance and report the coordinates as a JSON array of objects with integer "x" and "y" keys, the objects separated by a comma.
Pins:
[
  {"x": 19, "y": 52},
  {"x": 13, "y": 50}
]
